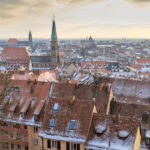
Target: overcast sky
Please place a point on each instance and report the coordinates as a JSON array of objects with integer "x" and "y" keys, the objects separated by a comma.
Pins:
[{"x": 75, "y": 18}]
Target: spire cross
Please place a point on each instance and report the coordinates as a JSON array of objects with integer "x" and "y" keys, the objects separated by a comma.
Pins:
[{"x": 53, "y": 16}]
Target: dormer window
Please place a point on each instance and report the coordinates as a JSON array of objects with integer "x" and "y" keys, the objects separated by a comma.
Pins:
[
  {"x": 22, "y": 115},
  {"x": 36, "y": 117},
  {"x": 145, "y": 117},
  {"x": 38, "y": 110},
  {"x": 52, "y": 122},
  {"x": 72, "y": 125},
  {"x": 55, "y": 108},
  {"x": 147, "y": 137}
]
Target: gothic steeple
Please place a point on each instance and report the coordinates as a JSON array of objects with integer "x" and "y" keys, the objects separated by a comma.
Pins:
[
  {"x": 54, "y": 34},
  {"x": 30, "y": 38},
  {"x": 54, "y": 46}
]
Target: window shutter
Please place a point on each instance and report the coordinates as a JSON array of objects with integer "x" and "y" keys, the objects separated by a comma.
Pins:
[
  {"x": 78, "y": 146},
  {"x": 58, "y": 145},
  {"x": 68, "y": 146}
]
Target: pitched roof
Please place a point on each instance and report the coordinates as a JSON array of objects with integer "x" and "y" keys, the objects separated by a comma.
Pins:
[
  {"x": 111, "y": 132},
  {"x": 131, "y": 91},
  {"x": 68, "y": 110},
  {"x": 143, "y": 60},
  {"x": 15, "y": 54},
  {"x": 12, "y": 41},
  {"x": 83, "y": 92},
  {"x": 18, "y": 98},
  {"x": 133, "y": 111},
  {"x": 54, "y": 34}
]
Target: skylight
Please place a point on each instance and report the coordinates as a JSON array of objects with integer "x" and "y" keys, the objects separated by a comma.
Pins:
[
  {"x": 72, "y": 125},
  {"x": 55, "y": 106},
  {"x": 51, "y": 122}
]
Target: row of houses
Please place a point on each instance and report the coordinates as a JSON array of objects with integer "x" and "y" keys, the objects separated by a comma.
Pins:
[{"x": 63, "y": 116}]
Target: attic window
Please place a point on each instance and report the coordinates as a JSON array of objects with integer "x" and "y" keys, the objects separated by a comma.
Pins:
[
  {"x": 147, "y": 139},
  {"x": 145, "y": 117},
  {"x": 52, "y": 122},
  {"x": 55, "y": 108},
  {"x": 72, "y": 125}
]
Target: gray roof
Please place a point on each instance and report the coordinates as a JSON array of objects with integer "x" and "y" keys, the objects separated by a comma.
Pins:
[{"x": 40, "y": 59}]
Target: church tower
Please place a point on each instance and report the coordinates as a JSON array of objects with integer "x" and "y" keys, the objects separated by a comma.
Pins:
[
  {"x": 54, "y": 46},
  {"x": 30, "y": 39}
]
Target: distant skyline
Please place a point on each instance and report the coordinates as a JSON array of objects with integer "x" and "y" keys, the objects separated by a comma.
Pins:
[{"x": 75, "y": 18}]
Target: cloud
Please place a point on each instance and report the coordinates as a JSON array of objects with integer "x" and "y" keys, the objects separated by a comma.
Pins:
[
  {"x": 140, "y": 2},
  {"x": 77, "y": 2},
  {"x": 22, "y": 8}
]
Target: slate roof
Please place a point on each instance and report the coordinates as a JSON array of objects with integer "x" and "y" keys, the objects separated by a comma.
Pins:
[{"x": 40, "y": 59}]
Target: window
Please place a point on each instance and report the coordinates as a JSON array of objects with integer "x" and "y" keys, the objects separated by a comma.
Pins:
[
  {"x": 25, "y": 138},
  {"x": 55, "y": 108},
  {"x": 26, "y": 148},
  {"x": 53, "y": 144},
  {"x": 22, "y": 115},
  {"x": 72, "y": 146},
  {"x": 25, "y": 127},
  {"x": 6, "y": 133},
  {"x": 12, "y": 146},
  {"x": 36, "y": 117},
  {"x": 35, "y": 129},
  {"x": 35, "y": 141},
  {"x": 52, "y": 122},
  {"x": 18, "y": 136},
  {"x": 72, "y": 125},
  {"x": 147, "y": 140},
  {"x": 5, "y": 145},
  {"x": 53, "y": 48},
  {"x": 19, "y": 146},
  {"x": 11, "y": 135}
]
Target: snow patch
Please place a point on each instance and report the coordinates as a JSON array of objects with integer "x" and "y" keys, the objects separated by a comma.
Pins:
[
  {"x": 100, "y": 128},
  {"x": 123, "y": 133}
]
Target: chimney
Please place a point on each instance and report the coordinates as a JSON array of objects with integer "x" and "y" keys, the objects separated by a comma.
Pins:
[
  {"x": 117, "y": 117},
  {"x": 72, "y": 100},
  {"x": 101, "y": 86}
]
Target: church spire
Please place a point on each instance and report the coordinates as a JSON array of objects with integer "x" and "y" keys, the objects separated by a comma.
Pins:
[
  {"x": 30, "y": 38},
  {"x": 54, "y": 46},
  {"x": 54, "y": 34}
]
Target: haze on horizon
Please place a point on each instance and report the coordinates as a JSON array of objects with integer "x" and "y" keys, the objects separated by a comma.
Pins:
[{"x": 75, "y": 18}]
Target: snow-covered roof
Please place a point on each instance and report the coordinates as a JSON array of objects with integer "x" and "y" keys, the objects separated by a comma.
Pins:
[{"x": 118, "y": 133}]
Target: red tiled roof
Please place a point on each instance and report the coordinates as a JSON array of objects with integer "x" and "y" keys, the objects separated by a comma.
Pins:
[
  {"x": 27, "y": 101},
  {"x": 131, "y": 91},
  {"x": 143, "y": 60},
  {"x": 12, "y": 41},
  {"x": 15, "y": 54},
  {"x": 69, "y": 110}
]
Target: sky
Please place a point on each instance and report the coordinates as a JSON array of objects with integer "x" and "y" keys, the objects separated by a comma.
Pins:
[{"x": 75, "y": 18}]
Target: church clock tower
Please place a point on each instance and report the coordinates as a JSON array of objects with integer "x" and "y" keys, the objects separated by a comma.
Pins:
[{"x": 54, "y": 46}]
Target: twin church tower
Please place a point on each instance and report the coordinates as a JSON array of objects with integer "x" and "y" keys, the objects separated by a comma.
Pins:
[{"x": 50, "y": 61}]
